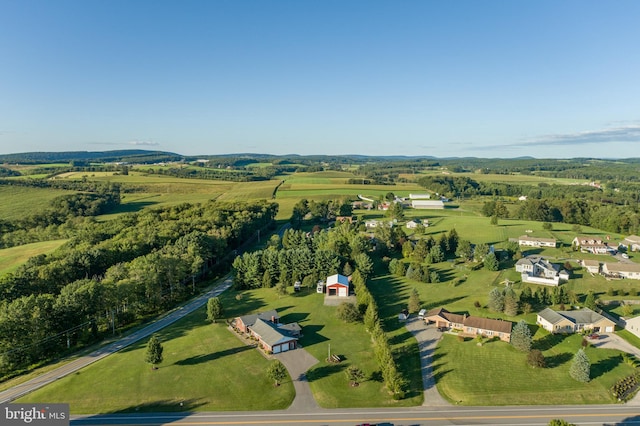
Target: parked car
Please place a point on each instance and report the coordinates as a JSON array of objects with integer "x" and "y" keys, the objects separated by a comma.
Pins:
[
  {"x": 625, "y": 256},
  {"x": 594, "y": 336},
  {"x": 422, "y": 313}
]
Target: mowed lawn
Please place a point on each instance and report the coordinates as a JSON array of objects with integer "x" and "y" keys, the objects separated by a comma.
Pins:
[
  {"x": 497, "y": 374},
  {"x": 205, "y": 368},
  {"x": 322, "y": 330},
  {"x": 13, "y": 257}
]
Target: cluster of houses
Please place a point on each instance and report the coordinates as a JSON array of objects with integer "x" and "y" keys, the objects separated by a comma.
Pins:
[
  {"x": 567, "y": 322},
  {"x": 535, "y": 269}
]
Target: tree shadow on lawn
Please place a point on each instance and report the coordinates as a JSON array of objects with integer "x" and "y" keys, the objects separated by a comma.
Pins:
[
  {"x": 326, "y": 370},
  {"x": 199, "y": 359},
  {"x": 557, "y": 360},
  {"x": 162, "y": 406},
  {"x": 312, "y": 336},
  {"x": 549, "y": 341},
  {"x": 294, "y": 317},
  {"x": 235, "y": 308},
  {"x": 604, "y": 366}
]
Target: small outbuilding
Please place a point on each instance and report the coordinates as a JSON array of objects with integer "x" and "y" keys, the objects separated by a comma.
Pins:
[{"x": 337, "y": 285}]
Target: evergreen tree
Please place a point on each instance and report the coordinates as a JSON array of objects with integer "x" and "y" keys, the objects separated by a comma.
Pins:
[
  {"x": 414, "y": 301},
  {"x": 521, "y": 337},
  {"x": 153, "y": 355},
  {"x": 276, "y": 372},
  {"x": 214, "y": 309},
  {"x": 491, "y": 262},
  {"x": 371, "y": 317},
  {"x": 580, "y": 367},
  {"x": 496, "y": 300},
  {"x": 464, "y": 250},
  {"x": 590, "y": 301},
  {"x": 510, "y": 302}
]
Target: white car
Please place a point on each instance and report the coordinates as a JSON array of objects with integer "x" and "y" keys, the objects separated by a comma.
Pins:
[
  {"x": 422, "y": 313},
  {"x": 625, "y": 256}
]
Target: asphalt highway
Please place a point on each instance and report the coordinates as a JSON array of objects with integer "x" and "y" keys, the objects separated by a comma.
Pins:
[{"x": 459, "y": 416}]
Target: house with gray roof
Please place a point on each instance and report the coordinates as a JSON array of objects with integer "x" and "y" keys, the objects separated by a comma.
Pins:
[
  {"x": 574, "y": 321},
  {"x": 525, "y": 240},
  {"x": 273, "y": 338},
  {"x": 632, "y": 242},
  {"x": 622, "y": 270},
  {"x": 243, "y": 323},
  {"x": 537, "y": 270}
]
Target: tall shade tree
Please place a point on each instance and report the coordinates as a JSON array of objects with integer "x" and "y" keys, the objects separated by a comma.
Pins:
[
  {"x": 521, "y": 337},
  {"x": 214, "y": 309},
  {"x": 154, "y": 351},
  {"x": 510, "y": 302},
  {"x": 580, "y": 367},
  {"x": 276, "y": 372}
]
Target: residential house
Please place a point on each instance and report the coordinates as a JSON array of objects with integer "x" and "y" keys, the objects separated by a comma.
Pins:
[
  {"x": 525, "y": 240},
  {"x": 413, "y": 224},
  {"x": 633, "y": 325},
  {"x": 632, "y": 242},
  {"x": 535, "y": 269},
  {"x": 337, "y": 285},
  {"x": 590, "y": 244},
  {"x": 245, "y": 322},
  {"x": 622, "y": 270},
  {"x": 427, "y": 204},
  {"x": 273, "y": 338},
  {"x": 573, "y": 321},
  {"x": 470, "y": 324},
  {"x": 592, "y": 266}
]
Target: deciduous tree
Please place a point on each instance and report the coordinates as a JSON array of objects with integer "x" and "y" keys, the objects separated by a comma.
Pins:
[
  {"x": 276, "y": 372},
  {"x": 153, "y": 355}
]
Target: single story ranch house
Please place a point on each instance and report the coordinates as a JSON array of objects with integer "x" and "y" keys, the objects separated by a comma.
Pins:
[
  {"x": 574, "y": 321},
  {"x": 469, "y": 324},
  {"x": 271, "y": 335}
]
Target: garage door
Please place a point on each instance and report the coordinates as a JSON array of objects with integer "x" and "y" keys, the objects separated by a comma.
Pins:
[
  {"x": 276, "y": 349},
  {"x": 609, "y": 329},
  {"x": 342, "y": 292},
  {"x": 283, "y": 348}
]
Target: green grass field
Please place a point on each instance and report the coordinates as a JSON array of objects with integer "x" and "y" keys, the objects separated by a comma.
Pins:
[
  {"x": 321, "y": 328},
  {"x": 497, "y": 374},
  {"x": 206, "y": 368},
  {"x": 19, "y": 201},
  {"x": 13, "y": 257}
]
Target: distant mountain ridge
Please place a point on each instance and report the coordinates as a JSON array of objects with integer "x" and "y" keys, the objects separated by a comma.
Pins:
[{"x": 125, "y": 155}]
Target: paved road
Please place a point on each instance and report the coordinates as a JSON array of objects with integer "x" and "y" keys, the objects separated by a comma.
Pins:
[
  {"x": 427, "y": 338},
  {"x": 46, "y": 378},
  {"x": 530, "y": 416}
]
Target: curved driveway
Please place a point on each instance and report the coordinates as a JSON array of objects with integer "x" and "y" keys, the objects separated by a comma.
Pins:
[{"x": 71, "y": 367}]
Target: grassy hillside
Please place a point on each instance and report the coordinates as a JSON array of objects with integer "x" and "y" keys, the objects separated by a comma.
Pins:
[
  {"x": 13, "y": 257},
  {"x": 18, "y": 201}
]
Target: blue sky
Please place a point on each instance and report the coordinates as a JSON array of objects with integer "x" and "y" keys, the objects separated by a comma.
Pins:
[{"x": 549, "y": 79}]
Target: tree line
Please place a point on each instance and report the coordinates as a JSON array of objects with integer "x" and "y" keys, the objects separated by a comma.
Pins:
[{"x": 115, "y": 273}]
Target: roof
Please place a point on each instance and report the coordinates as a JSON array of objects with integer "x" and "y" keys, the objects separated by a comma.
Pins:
[
  {"x": 270, "y": 333},
  {"x": 551, "y": 316},
  {"x": 249, "y": 320},
  {"x": 590, "y": 262},
  {"x": 588, "y": 240},
  {"x": 581, "y": 316},
  {"x": 338, "y": 279},
  {"x": 528, "y": 238},
  {"x": 538, "y": 260},
  {"x": 633, "y": 239},
  {"x": 488, "y": 324},
  {"x": 291, "y": 327},
  {"x": 622, "y": 267},
  {"x": 443, "y": 313}
]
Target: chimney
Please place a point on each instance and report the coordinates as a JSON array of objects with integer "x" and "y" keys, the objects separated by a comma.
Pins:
[{"x": 273, "y": 319}]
